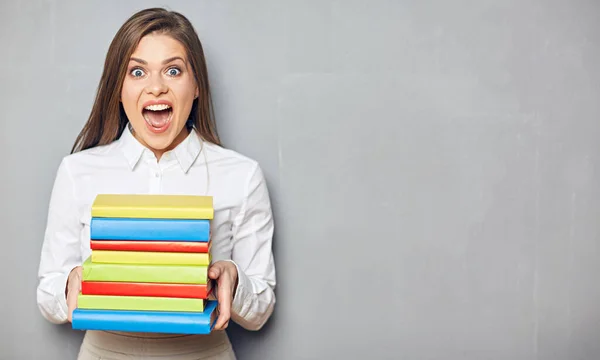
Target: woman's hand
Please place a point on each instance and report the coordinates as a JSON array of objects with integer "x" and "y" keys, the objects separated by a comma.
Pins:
[
  {"x": 72, "y": 291},
  {"x": 226, "y": 276}
]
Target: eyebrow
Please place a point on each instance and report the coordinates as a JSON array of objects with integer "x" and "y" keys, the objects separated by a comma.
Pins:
[{"x": 164, "y": 62}]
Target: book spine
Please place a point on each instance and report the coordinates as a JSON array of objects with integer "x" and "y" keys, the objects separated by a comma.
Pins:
[
  {"x": 141, "y": 303},
  {"x": 181, "y": 274},
  {"x": 146, "y": 289},
  {"x": 150, "y": 258},
  {"x": 148, "y": 245},
  {"x": 147, "y": 321},
  {"x": 152, "y": 213},
  {"x": 149, "y": 229}
]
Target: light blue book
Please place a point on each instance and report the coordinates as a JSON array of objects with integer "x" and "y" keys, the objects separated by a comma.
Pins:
[
  {"x": 150, "y": 229},
  {"x": 168, "y": 322}
]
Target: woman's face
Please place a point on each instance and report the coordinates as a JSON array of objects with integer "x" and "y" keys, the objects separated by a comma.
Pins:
[{"x": 158, "y": 92}]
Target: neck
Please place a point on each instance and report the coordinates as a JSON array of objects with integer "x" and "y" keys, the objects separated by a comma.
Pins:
[{"x": 158, "y": 153}]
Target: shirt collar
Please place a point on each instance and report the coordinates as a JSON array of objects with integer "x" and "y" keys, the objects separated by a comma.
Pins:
[
  {"x": 189, "y": 149},
  {"x": 131, "y": 147},
  {"x": 185, "y": 153}
]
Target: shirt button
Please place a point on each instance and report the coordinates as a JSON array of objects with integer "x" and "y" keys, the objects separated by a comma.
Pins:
[{"x": 156, "y": 174}]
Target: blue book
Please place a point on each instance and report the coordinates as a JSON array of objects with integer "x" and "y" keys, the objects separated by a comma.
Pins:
[
  {"x": 150, "y": 229},
  {"x": 167, "y": 322}
]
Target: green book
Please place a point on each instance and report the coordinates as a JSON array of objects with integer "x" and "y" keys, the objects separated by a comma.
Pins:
[
  {"x": 181, "y": 274},
  {"x": 141, "y": 303}
]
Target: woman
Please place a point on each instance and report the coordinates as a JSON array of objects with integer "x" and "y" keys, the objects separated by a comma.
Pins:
[{"x": 151, "y": 130}]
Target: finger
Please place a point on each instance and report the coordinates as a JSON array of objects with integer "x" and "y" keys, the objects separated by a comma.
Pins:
[
  {"x": 71, "y": 301},
  {"x": 212, "y": 295},
  {"x": 224, "y": 302},
  {"x": 214, "y": 272},
  {"x": 72, "y": 293}
]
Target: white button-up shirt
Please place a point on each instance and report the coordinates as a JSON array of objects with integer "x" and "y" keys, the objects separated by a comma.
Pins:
[{"x": 241, "y": 230}]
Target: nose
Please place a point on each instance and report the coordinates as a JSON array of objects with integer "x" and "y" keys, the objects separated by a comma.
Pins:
[{"x": 156, "y": 86}]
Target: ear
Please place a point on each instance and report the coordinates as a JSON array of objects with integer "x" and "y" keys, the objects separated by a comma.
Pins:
[{"x": 196, "y": 93}]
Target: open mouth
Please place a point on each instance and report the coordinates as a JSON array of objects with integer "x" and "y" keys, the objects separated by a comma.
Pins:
[{"x": 158, "y": 116}]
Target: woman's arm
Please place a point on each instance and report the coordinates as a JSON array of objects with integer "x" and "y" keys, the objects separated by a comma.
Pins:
[
  {"x": 60, "y": 249},
  {"x": 252, "y": 255}
]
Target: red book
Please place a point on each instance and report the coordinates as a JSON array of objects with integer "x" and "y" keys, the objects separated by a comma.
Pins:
[
  {"x": 195, "y": 291},
  {"x": 152, "y": 246}
]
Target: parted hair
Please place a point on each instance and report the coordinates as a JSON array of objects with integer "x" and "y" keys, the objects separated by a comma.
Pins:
[{"x": 107, "y": 119}]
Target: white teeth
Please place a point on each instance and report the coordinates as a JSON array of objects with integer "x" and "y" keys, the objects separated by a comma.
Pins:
[{"x": 158, "y": 107}]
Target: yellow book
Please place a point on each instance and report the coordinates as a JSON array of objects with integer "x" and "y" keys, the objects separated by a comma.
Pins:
[
  {"x": 145, "y": 273},
  {"x": 139, "y": 303},
  {"x": 149, "y": 258},
  {"x": 153, "y": 206}
]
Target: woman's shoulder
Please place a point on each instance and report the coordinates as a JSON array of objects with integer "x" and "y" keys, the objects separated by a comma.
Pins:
[
  {"x": 228, "y": 157},
  {"x": 231, "y": 166},
  {"x": 93, "y": 157}
]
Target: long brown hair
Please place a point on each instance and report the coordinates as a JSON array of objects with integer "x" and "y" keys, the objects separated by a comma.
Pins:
[{"x": 107, "y": 119}]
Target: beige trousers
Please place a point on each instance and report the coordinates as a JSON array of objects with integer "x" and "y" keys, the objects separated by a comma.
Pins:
[{"x": 105, "y": 345}]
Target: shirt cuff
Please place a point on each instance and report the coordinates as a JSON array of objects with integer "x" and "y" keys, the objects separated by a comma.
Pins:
[
  {"x": 61, "y": 299},
  {"x": 244, "y": 286}
]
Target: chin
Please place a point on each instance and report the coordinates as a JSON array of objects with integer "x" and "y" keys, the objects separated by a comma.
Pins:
[
  {"x": 161, "y": 140},
  {"x": 161, "y": 143},
  {"x": 158, "y": 139}
]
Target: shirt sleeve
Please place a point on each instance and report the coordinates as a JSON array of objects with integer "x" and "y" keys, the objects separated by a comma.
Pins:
[
  {"x": 252, "y": 255},
  {"x": 60, "y": 249}
]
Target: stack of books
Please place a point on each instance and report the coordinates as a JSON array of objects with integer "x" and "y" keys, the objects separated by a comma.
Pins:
[{"x": 148, "y": 270}]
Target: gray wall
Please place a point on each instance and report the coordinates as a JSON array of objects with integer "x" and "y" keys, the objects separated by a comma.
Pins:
[{"x": 433, "y": 167}]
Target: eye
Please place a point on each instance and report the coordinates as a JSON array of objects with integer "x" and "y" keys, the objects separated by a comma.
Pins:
[
  {"x": 137, "y": 72},
  {"x": 173, "y": 71}
]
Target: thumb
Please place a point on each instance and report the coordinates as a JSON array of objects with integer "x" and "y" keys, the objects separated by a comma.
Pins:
[
  {"x": 214, "y": 272},
  {"x": 73, "y": 288}
]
